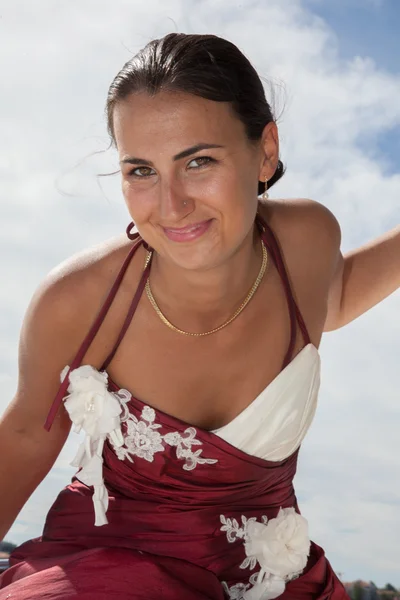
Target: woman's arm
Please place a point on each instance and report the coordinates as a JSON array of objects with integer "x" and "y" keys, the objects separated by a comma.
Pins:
[
  {"x": 55, "y": 323},
  {"x": 356, "y": 281},
  {"x": 363, "y": 278},
  {"x": 27, "y": 451}
]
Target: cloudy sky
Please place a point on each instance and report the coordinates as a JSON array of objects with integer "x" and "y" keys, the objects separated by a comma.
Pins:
[{"x": 331, "y": 68}]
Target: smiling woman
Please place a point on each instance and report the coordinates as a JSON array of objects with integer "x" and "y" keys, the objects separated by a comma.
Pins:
[{"x": 184, "y": 482}]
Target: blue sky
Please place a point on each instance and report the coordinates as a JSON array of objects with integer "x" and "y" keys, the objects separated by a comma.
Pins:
[
  {"x": 364, "y": 27},
  {"x": 337, "y": 66},
  {"x": 368, "y": 28}
]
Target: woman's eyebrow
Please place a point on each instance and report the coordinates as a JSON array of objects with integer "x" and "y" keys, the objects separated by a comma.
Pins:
[{"x": 133, "y": 160}]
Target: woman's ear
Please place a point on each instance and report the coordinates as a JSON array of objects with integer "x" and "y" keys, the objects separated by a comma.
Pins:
[{"x": 269, "y": 151}]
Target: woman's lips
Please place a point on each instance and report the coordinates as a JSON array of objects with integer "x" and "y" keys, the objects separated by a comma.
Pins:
[{"x": 188, "y": 233}]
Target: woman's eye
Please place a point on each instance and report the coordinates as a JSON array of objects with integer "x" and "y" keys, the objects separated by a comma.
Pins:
[
  {"x": 141, "y": 172},
  {"x": 145, "y": 172},
  {"x": 202, "y": 160}
]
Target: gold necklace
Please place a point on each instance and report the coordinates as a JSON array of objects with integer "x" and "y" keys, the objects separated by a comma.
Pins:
[{"x": 235, "y": 314}]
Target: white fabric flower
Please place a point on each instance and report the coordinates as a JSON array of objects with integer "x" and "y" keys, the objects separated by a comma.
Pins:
[
  {"x": 91, "y": 406},
  {"x": 86, "y": 378},
  {"x": 281, "y": 545},
  {"x": 97, "y": 411}
]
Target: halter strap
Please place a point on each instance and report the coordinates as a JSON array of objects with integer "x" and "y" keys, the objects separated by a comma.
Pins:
[
  {"x": 271, "y": 243},
  {"x": 129, "y": 316},
  {"x": 95, "y": 328}
]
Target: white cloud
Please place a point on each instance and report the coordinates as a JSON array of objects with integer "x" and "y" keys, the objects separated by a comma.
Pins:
[{"x": 57, "y": 60}]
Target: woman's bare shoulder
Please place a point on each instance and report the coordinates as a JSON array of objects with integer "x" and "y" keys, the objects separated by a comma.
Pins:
[
  {"x": 71, "y": 295},
  {"x": 89, "y": 273},
  {"x": 304, "y": 224},
  {"x": 88, "y": 263},
  {"x": 309, "y": 236}
]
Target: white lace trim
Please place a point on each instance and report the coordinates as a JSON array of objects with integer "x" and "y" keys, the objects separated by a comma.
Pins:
[
  {"x": 144, "y": 440},
  {"x": 99, "y": 413},
  {"x": 280, "y": 546},
  {"x": 258, "y": 588}
]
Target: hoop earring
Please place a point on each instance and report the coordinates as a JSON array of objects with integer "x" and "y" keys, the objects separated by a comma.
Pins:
[
  {"x": 131, "y": 236},
  {"x": 265, "y": 195},
  {"x": 135, "y": 236}
]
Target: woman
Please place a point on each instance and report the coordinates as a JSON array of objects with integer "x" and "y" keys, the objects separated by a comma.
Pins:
[{"x": 210, "y": 322}]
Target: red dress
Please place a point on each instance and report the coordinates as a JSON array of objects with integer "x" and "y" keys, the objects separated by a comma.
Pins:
[{"x": 177, "y": 505}]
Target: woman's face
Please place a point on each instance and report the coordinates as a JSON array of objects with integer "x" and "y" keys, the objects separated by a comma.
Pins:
[{"x": 189, "y": 175}]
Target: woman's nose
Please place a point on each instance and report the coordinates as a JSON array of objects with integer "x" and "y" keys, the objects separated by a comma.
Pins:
[{"x": 174, "y": 203}]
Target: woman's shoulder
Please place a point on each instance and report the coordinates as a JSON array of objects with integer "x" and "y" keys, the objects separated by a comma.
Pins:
[
  {"x": 305, "y": 229},
  {"x": 309, "y": 237},
  {"x": 301, "y": 216},
  {"x": 72, "y": 293},
  {"x": 92, "y": 270}
]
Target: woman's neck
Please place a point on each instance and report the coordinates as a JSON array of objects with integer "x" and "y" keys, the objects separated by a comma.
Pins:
[{"x": 197, "y": 300}]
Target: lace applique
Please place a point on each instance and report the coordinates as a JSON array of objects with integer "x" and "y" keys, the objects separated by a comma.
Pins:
[
  {"x": 280, "y": 546},
  {"x": 233, "y": 529},
  {"x": 259, "y": 587},
  {"x": 238, "y": 591},
  {"x": 99, "y": 413},
  {"x": 235, "y": 592},
  {"x": 143, "y": 440}
]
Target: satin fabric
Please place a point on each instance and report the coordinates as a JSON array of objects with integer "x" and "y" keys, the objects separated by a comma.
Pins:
[
  {"x": 164, "y": 537},
  {"x": 172, "y": 517}
]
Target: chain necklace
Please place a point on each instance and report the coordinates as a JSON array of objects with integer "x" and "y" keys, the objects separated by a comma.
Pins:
[{"x": 232, "y": 318}]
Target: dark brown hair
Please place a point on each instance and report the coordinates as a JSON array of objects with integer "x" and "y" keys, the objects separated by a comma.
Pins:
[{"x": 203, "y": 65}]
